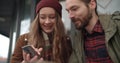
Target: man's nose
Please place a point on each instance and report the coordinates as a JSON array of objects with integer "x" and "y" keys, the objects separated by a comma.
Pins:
[{"x": 71, "y": 15}]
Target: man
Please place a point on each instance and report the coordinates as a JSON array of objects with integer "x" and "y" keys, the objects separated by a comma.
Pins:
[{"x": 96, "y": 39}]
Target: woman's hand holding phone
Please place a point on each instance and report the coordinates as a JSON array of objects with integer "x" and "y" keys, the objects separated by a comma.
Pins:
[{"x": 30, "y": 54}]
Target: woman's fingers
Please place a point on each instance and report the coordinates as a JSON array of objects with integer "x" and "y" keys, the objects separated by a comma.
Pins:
[
  {"x": 37, "y": 50},
  {"x": 34, "y": 59},
  {"x": 40, "y": 60},
  {"x": 24, "y": 55},
  {"x": 40, "y": 50},
  {"x": 27, "y": 58}
]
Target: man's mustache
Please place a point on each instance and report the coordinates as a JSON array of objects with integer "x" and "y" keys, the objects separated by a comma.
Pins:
[{"x": 75, "y": 19}]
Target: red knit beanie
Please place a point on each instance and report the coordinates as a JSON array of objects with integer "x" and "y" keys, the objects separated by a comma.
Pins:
[{"x": 49, "y": 3}]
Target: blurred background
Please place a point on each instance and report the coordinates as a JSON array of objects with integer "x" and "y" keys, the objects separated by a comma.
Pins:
[{"x": 16, "y": 16}]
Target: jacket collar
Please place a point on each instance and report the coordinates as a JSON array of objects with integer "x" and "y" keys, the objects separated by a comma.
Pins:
[{"x": 108, "y": 25}]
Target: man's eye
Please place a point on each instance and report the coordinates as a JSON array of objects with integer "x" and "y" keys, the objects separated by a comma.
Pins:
[{"x": 74, "y": 9}]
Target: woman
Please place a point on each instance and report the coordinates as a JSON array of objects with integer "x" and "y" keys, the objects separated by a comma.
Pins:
[{"x": 47, "y": 32}]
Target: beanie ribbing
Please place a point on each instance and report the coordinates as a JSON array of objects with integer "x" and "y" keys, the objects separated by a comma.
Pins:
[{"x": 49, "y": 3}]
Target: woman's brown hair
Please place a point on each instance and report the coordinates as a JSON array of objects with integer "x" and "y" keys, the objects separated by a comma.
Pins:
[{"x": 61, "y": 50}]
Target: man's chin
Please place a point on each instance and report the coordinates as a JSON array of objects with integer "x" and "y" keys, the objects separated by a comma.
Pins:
[{"x": 78, "y": 28}]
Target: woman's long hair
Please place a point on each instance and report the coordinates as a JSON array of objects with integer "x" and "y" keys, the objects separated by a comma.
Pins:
[{"x": 59, "y": 43}]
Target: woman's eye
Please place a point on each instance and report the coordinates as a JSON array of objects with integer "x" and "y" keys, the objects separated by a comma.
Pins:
[
  {"x": 52, "y": 17},
  {"x": 42, "y": 17}
]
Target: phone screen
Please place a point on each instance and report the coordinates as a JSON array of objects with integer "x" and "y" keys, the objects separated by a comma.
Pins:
[{"x": 28, "y": 49}]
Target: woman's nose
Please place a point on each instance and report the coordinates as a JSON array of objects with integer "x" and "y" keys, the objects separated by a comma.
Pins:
[{"x": 47, "y": 20}]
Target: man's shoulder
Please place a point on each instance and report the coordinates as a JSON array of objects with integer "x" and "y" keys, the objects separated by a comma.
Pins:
[
  {"x": 116, "y": 18},
  {"x": 111, "y": 19}
]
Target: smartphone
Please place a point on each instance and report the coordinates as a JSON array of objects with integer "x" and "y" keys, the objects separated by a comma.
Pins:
[{"x": 28, "y": 49}]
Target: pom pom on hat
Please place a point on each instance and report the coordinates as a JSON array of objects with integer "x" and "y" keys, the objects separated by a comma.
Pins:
[{"x": 49, "y": 3}]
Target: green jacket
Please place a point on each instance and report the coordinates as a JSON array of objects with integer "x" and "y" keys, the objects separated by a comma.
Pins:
[{"x": 111, "y": 26}]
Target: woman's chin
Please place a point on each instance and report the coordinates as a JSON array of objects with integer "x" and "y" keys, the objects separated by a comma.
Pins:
[{"x": 48, "y": 31}]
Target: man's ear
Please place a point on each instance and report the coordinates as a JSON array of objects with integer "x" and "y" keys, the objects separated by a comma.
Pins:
[{"x": 93, "y": 4}]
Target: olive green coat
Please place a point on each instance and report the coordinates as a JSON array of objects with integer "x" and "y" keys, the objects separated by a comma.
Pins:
[{"x": 111, "y": 26}]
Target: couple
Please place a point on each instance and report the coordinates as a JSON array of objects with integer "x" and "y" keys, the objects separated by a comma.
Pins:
[{"x": 96, "y": 39}]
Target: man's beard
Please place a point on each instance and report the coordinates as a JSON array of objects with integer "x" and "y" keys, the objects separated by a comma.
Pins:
[{"x": 84, "y": 22}]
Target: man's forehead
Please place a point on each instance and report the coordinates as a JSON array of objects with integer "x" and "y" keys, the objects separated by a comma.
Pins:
[{"x": 71, "y": 3}]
